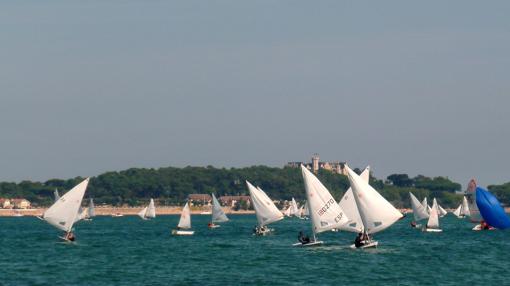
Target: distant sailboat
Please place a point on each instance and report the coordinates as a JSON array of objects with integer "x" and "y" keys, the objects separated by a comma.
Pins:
[
  {"x": 425, "y": 204},
  {"x": 149, "y": 211},
  {"x": 463, "y": 209},
  {"x": 419, "y": 212},
  {"x": 217, "y": 214},
  {"x": 491, "y": 211},
  {"x": 348, "y": 205},
  {"x": 474, "y": 213},
  {"x": 56, "y": 195},
  {"x": 265, "y": 210},
  {"x": 325, "y": 213},
  {"x": 62, "y": 214},
  {"x": 184, "y": 226},
  {"x": 287, "y": 212},
  {"x": 441, "y": 212},
  {"x": 433, "y": 222},
  {"x": 294, "y": 208},
  {"x": 375, "y": 211},
  {"x": 92, "y": 208}
]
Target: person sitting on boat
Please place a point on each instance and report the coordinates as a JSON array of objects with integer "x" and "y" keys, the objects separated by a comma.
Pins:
[
  {"x": 303, "y": 238},
  {"x": 413, "y": 224},
  {"x": 484, "y": 225},
  {"x": 70, "y": 236},
  {"x": 358, "y": 242}
]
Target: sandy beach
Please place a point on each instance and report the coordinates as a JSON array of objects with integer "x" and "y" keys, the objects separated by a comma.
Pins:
[{"x": 106, "y": 211}]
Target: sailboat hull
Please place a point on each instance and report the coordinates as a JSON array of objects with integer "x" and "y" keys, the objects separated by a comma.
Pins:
[
  {"x": 214, "y": 226},
  {"x": 312, "y": 243},
  {"x": 371, "y": 244},
  {"x": 433, "y": 230},
  {"x": 182, "y": 232}
]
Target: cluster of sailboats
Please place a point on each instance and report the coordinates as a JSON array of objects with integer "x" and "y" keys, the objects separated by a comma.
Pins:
[
  {"x": 493, "y": 215},
  {"x": 361, "y": 210}
]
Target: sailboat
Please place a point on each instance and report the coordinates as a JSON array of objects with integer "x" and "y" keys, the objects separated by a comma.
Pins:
[
  {"x": 491, "y": 211},
  {"x": 348, "y": 204},
  {"x": 441, "y": 212},
  {"x": 92, "y": 208},
  {"x": 474, "y": 213},
  {"x": 184, "y": 226},
  {"x": 304, "y": 213},
  {"x": 463, "y": 209},
  {"x": 287, "y": 211},
  {"x": 433, "y": 222},
  {"x": 56, "y": 195},
  {"x": 217, "y": 214},
  {"x": 62, "y": 214},
  {"x": 294, "y": 209},
  {"x": 419, "y": 212},
  {"x": 148, "y": 212},
  {"x": 265, "y": 210},
  {"x": 375, "y": 211},
  {"x": 325, "y": 213}
]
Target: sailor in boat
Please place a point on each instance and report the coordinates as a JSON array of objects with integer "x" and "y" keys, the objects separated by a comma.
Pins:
[
  {"x": 485, "y": 226},
  {"x": 413, "y": 224},
  {"x": 303, "y": 238},
  {"x": 358, "y": 241},
  {"x": 69, "y": 236},
  {"x": 259, "y": 230}
]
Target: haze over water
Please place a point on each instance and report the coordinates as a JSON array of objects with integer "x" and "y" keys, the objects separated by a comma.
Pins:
[{"x": 406, "y": 87}]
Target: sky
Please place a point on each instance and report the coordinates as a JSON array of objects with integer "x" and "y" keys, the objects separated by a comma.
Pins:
[{"x": 416, "y": 87}]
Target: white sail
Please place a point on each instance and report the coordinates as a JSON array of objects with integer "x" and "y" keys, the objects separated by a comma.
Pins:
[
  {"x": 348, "y": 204},
  {"x": 294, "y": 209},
  {"x": 419, "y": 211},
  {"x": 302, "y": 210},
  {"x": 151, "y": 210},
  {"x": 185, "y": 220},
  {"x": 62, "y": 214},
  {"x": 375, "y": 211},
  {"x": 56, "y": 195},
  {"x": 92, "y": 209},
  {"x": 434, "y": 216},
  {"x": 217, "y": 212},
  {"x": 474, "y": 213},
  {"x": 425, "y": 204},
  {"x": 442, "y": 212},
  {"x": 325, "y": 213},
  {"x": 457, "y": 211},
  {"x": 287, "y": 211},
  {"x": 465, "y": 207},
  {"x": 264, "y": 207},
  {"x": 306, "y": 211},
  {"x": 143, "y": 212}
]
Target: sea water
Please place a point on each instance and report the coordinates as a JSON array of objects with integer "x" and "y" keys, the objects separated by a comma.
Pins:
[{"x": 130, "y": 251}]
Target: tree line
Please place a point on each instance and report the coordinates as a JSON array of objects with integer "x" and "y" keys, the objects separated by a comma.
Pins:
[{"x": 171, "y": 186}]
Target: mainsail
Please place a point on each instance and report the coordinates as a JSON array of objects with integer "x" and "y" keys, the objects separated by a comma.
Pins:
[
  {"x": 149, "y": 211},
  {"x": 457, "y": 211},
  {"x": 217, "y": 212},
  {"x": 62, "y": 214},
  {"x": 294, "y": 211},
  {"x": 264, "y": 207},
  {"x": 491, "y": 210},
  {"x": 442, "y": 212},
  {"x": 185, "y": 220},
  {"x": 433, "y": 218},
  {"x": 92, "y": 209},
  {"x": 325, "y": 213},
  {"x": 474, "y": 213},
  {"x": 465, "y": 207},
  {"x": 375, "y": 211},
  {"x": 419, "y": 211},
  {"x": 348, "y": 204},
  {"x": 425, "y": 204},
  {"x": 56, "y": 195}
]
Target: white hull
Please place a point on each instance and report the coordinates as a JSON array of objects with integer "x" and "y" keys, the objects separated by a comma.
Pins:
[
  {"x": 214, "y": 226},
  {"x": 182, "y": 232},
  {"x": 311, "y": 243},
  {"x": 479, "y": 228},
  {"x": 433, "y": 230},
  {"x": 371, "y": 244}
]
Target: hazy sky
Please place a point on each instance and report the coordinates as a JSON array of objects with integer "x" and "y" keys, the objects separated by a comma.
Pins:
[{"x": 420, "y": 87}]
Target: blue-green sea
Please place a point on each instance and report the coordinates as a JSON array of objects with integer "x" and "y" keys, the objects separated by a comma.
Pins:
[{"x": 129, "y": 251}]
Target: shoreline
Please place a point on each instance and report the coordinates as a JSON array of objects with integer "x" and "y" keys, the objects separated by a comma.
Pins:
[{"x": 126, "y": 211}]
